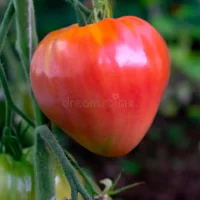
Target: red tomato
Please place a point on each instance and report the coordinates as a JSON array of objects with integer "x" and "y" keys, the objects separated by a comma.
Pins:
[{"x": 102, "y": 83}]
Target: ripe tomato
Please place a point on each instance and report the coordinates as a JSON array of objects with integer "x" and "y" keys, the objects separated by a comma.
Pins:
[{"x": 102, "y": 83}]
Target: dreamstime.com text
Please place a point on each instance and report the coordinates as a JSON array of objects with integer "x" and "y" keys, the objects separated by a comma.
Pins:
[{"x": 115, "y": 102}]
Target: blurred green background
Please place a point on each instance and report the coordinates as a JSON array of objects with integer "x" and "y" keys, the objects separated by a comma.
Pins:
[{"x": 168, "y": 158}]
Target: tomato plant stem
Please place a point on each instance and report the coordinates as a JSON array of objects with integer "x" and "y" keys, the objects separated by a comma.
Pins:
[
  {"x": 32, "y": 34},
  {"x": 9, "y": 102},
  {"x": 83, "y": 8},
  {"x": 68, "y": 169},
  {"x": 32, "y": 43},
  {"x": 9, "y": 98},
  {"x": 26, "y": 44},
  {"x": 81, "y": 17},
  {"x": 8, "y": 117},
  {"x": 22, "y": 33},
  {"x": 95, "y": 190},
  {"x": 82, "y": 12},
  {"x": 95, "y": 12},
  {"x": 6, "y": 23},
  {"x": 44, "y": 170},
  {"x": 101, "y": 9}
]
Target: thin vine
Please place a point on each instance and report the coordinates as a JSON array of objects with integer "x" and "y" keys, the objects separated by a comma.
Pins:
[
  {"x": 6, "y": 23},
  {"x": 9, "y": 102}
]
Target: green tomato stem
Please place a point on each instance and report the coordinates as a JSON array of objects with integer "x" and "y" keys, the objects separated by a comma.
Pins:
[
  {"x": 44, "y": 170},
  {"x": 6, "y": 23},
  {"x": 95, "y": 190},
  {"x": 68, "y": 169},
  {"x": 95, "y": 10},
  {"x": 24, "y": 116},
  {"x": 81, "y": 6},
  {"x": 27, "y": 41},
  {"x": 9, "y": 100},
  {"x": 8, "y": 118},
  {"x": 32, "y": 34},
  {"x": 33, "y": 43},
  {"x": 82, "y": 13},
  {"x": 81, "y": 17},
  {"x": 101, "y": 9},
  {"x": 21, "y": 13},
  {"x": 84, "y": 9},
  {"x": 3, "y": 32}
]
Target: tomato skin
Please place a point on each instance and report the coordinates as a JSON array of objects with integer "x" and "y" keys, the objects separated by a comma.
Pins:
[
  {"x": 116, "y": 59},
  {"x": 16, "y": 179}
]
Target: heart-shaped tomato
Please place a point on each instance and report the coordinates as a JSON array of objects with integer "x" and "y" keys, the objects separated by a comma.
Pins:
[{"x": 102, "y": 83}]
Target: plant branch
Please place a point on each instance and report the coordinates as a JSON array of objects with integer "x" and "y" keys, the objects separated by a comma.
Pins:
[
  {"x": 82, "y": 13},
  {"x": 22, "y": 33},
  {"x": 26, "y": 43},
  {"x": 32, "y": 43},
  {"x": 83, "y": 8},
  {"x": 44, "y": 170},
  {"x": 95, "y": 190},
  {"x": 32, "y": 34},
  {"x": 8, "y": 118},
  {"x": 19, "y": 112},
  {"x": 6, "y": 23},
  {"x": 68, "y": 169},
  {"x": 9, "y": 98}
]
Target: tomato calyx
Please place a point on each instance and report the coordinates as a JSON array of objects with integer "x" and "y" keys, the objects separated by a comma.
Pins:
[{"x": 101, "y": 9}]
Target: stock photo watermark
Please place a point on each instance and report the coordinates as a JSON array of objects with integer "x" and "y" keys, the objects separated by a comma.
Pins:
[{"x": 114, "y": 102}]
